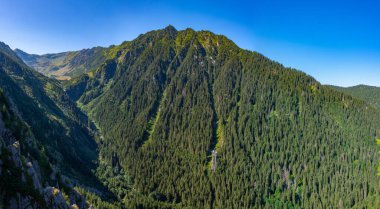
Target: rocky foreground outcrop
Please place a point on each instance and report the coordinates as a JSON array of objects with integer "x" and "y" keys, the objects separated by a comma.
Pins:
[{"x": 24, "y": 186}]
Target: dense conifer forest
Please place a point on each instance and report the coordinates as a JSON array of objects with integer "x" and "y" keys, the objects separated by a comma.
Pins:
[
  {"x": 144, "y": 122},
  {"x": 370, "y": 94},
  {"x": 164, "y": 101}
]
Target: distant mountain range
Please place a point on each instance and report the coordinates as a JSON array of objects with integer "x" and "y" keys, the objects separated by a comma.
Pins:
[
  {"x": 65, "y": 65},
  {"x": 370, "y": 94},
  {"x": 136, "y": 124}
]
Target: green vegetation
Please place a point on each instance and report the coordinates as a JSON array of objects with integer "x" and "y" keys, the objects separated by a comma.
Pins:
[
  {"x": 11, "y": 182},
  {"x": 370, "y": 94},
  {"x": 283, "y": 139},
  {"x": 153, "y": 109},
  {"x": 98, "y": 202},
  {"x": 61, "y": 134},
  {"x": 372, "y": 201},
  {"x": 64, "y": 65}
]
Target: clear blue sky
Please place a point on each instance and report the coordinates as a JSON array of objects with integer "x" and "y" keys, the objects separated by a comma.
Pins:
[{"x": 337, "y": 42}]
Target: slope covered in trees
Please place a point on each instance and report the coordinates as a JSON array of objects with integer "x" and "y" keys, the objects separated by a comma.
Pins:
[
  {"x": 45, "y": 141},
  {"x": 28, "y": 179},
  {"x": 164, "y": 101},
  {"x": 49, "y": 112},
  {"x": 370, "y": 94}
]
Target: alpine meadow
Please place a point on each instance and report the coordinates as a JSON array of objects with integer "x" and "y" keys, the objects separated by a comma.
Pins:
[{"x": 181, "y": 119}]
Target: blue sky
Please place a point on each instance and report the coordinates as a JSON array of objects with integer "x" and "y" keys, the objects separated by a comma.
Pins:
[{"x": 337, "y": 42}]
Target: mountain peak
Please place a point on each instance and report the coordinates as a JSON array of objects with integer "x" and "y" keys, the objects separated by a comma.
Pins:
[
  {"x": 170, "y": 28},
  {"x": 4, "y": 48},
  {"x": 18, "y": 50},
  {"x": 3, "y": 45}
]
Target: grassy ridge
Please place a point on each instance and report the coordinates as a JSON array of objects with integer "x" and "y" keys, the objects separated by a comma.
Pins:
[{"x": 370, "y": 94}]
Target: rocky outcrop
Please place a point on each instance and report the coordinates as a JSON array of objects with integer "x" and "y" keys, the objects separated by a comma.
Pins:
[
  {"x": 54, "y": 198},
  {"x": 33, "y": 169},
  {"x": 78, "y": 200},
  {"x": 27, "y": 189}
]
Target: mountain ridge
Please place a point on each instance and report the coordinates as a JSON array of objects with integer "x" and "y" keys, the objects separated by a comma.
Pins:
[
  {"x": 63, "y": 65},
  {"x": 152, "y": 92},
  {"x": 370, "y": 94},
  {"x": 165, "y": 100}
]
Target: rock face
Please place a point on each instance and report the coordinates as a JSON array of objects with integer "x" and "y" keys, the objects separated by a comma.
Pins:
[
  {"x": 77, "y": 199},
  {"x": 33, "y": 170},
  {"x": 28, "y": 134},
  {"x": 21, "y": 179},
  {"x": 54, "y": 198}
]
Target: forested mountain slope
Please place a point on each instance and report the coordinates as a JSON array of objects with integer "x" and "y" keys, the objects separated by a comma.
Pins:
[
  {"x": 48, "y": 111},
  {"x": 45, "y": 140},
  {"x": 165, "y": 100},
  {"x": 66, "y": 64},
  {"x": 27, "y": 177},
  {"x": 370, "y": 94}
]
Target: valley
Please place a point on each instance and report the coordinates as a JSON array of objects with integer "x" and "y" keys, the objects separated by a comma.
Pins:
[{"x": 134, "y": 126}]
